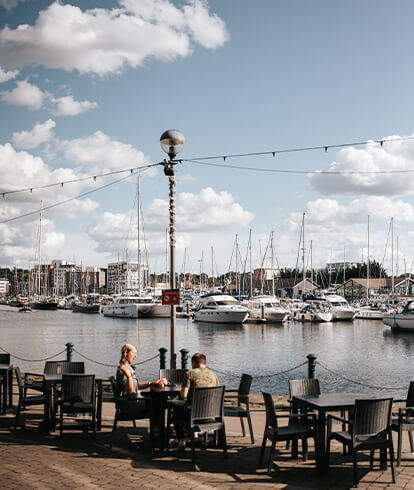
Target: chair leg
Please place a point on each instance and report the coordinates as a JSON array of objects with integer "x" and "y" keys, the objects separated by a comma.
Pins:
[
  {"x": 328, "y": 450},
  {"x": 135, "y": 425},
  {"x": 304, "y": 449},
  {"x": 399, "y": 444},
  {"x": 272, "y": 451},
  {"x": 242, "y": 426},
  {"x": 19, "y": 407},
  {"x": 392, "y": 462},
  {"x": 262, "y": 451},
  {"x": 383, "y": 459},
  {"x": 410, "y": 436},
  {"x": 94, "y": 423},
  {"x": 224, "y": 441},
  {"x": 371, "y": 459},
  {"x": 61, "y": 422},
  {"x": 355, "y": 467},
  {"x": 249, "y": 421}
]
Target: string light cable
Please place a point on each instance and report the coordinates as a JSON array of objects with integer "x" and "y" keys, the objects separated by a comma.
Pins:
[
  {"x": 54, "y": 205},
  {"x": 82, "y": 179}
]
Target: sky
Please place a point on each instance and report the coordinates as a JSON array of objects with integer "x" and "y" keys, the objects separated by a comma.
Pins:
[{"x": 88, "y": 87}]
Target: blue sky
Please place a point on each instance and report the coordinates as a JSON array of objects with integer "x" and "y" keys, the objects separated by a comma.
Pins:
[{"x": 88, "y": 87}]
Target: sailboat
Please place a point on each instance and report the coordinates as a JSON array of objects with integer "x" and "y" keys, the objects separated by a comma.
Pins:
[{"x": 42, "y": 302}]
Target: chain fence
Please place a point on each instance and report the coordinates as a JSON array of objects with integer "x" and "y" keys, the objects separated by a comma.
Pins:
[
  {"x": 113, "y": 365},
  {"x": 32, "y": 360},
  {"x": 263, "y": 376}
]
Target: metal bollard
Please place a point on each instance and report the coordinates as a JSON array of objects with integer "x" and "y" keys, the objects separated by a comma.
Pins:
[
  {"x": 163, "y": 357},
  {"x": 69, "y": 351},
  {"x": 311, "y": 365},
  {"x": 184, "y": 359}
]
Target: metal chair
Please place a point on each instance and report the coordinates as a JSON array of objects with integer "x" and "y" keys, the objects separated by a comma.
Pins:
[
  {"x": 242, "y": 410},
  {"x": 304, "y": 428},
  {"x": 110, "y": 396},
  {"x": 405, "y": 421},
  {"x": 64, "y": 367},
  {"x": 129, "y": 410},
  {"x": 303, "y": 387},
  {"x": 25, "y": 401},
  {"x": 78, "y": 397},
  {"x": 369, "y": 429},
  {"x": 173, "y": 375},
  {"x": 204, "y": 415}
]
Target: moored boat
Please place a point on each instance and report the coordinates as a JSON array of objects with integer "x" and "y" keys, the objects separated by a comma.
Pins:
[
  {"x": 129, "y": 307},
  {"x": 403, "y": 321},
  {"x": 266, "y": 308},
  {"x": 220, "y": 308}
]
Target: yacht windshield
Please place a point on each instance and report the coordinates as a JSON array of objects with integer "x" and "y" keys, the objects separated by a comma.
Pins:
[{"x": 226, "y": 302}]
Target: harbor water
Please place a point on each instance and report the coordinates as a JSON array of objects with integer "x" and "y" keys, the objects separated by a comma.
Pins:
[{"x": 365, "y": 351}]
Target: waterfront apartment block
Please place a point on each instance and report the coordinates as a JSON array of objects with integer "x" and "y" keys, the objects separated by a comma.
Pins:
[
  {"x": 123, "y": 276},
  {"x": 4, "y": 287}
]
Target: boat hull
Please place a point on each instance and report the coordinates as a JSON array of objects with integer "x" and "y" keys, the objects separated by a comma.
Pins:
[
  {"x": 214, "y": 316},
  {"x": 44, "y": 305},
  {"x": 127, "y": 310},
  {"x": 343, "y": 315},
  {"x": 399, "y": 321},
  {"x": 85, "y": 308}
]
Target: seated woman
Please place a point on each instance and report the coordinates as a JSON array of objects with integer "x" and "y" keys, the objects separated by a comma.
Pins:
[{"x": 128, "y": 385}]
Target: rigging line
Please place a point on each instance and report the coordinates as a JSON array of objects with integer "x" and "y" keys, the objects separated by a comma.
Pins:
[
  {"x": 81, "y": 179},
  {"x": 304, "y": 148},
  {"x": 312, "y": 172},
  {"x": 67, "y": 200}
]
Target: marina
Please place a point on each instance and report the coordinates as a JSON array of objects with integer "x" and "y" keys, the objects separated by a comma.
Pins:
[{"x": 366, "y": 351}]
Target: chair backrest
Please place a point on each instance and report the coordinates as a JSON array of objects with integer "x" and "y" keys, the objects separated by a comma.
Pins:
[
  {"x": 78, "y": 388},
  {"x": 410, "y": 395},
  {"x": 303, "y": 387},
  {"x": 64, "y": 367},
  {"x": 115, "y": 387},
  {"x": 271, "y": 420},
  {"x": 173, "y": 375},
  {"x": 245, "y": 384},
  {"x": 4, "y": 358},
  {"x": 207, "y": 402},
  {"x": 372, "y": 416}
]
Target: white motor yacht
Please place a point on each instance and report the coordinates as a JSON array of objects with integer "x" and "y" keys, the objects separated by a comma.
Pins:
[
  {"x": 220, "y": 308},
  {"x": 401, "y": 321},
  {"x": 314, "y": 312},
  {"x": 266, "y": 307},
  {"x": 339, "y": 306},
  {"x": 373, "y": 312},
  {"x": 129, "y": 307}
]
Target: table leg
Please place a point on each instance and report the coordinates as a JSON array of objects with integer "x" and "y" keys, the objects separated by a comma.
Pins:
[
  {"x": 157, "y": 425},
  {"x": 4, "y": 397},
  {"x": 48, "y": 405},
  {"x": 99, "y": 405},
  {"x": 321, "y": 456}
]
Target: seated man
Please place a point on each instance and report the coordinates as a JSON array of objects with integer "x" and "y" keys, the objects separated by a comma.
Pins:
[{"x": 199, "y": 375}]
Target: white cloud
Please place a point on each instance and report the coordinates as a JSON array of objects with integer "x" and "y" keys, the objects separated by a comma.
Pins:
[
  {"x": 99, "y": 151},
  {"x": 68, "y": 106},
  {"x": 394, "y": 156},
  {"x": 5, "y": 76},
  {"x": 102, "y": 41},
  {"x": 41, "y": 133},
  {"x": 26, "y": 95}
]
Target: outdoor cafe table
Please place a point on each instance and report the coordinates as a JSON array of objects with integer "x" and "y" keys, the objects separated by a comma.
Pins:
[
  {"x": 328, "y": 402},
  {"x": 160, "y": 398},
  {"x": 6, "y": 372},
  {"x": 52, "y": 380}
]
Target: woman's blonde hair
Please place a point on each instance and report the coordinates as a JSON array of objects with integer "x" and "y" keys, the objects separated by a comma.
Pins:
[{"x": 124, "y": 352}]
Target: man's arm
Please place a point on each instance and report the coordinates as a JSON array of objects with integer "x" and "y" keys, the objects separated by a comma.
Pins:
[{"x": 186, "y": 385}]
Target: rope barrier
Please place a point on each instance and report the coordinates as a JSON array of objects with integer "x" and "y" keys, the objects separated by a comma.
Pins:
[
  {"x": 358, "y": 382},
  {"x": 33, "y": 360},
  {"x": 113, "y": 365},
  {"x": 264, "y": 375}
]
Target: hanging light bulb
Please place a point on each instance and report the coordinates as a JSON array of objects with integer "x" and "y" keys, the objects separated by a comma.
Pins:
[
  {"x": 326, "y": 149},
  {"x": 274, "y": 154},
  {"x": 381, "y": 143},
  {"x": 61, "y": 184},
  {"x": 94, "y": 178},
  {"x": 224, "y": 158}
]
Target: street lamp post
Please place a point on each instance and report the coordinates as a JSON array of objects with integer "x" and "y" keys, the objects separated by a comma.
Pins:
[{"x": 172, "y": 142}]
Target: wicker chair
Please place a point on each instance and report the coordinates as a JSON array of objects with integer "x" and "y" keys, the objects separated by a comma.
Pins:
[
  {"x": 78, "y": 397},
  {"x": 64, "y": 367},
  {"x": 369, "y": 429},
  {"x": 175, "y": 376},
  {"x": 303, "y": 387},
  {"x": 242, "y": 410},
  {"x": 405, "y": 421},
  {"x": 304, "y": 428},
  {"x": 204, "y": 415},
  {"x": 127, "y": 410},
  {"x": 25, "y": 401}
]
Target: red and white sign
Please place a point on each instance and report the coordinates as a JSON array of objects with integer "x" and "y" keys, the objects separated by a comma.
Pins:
[{"x": 171, "y": 297}]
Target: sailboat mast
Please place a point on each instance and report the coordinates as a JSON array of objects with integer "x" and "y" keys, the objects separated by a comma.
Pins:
[
  {"x": 368, "y": 263},
  {"x": 39, "y": 274},
  {"x": 311, "y": 265},
  {"x": 303, "y": 252},
  {"x": 273, "y": 265},
  {"x": 250, "y": 253},
  {"x": 392, "y": 255},
  {"x": 138, "y": 235},
  {"x": 344, "y": 265},
  {"x": 237, "y": 265},
  {"x": 212, "y": 268}
]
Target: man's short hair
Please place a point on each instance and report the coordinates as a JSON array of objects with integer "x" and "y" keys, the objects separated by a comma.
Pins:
[{"x": 199, "y": 358}]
